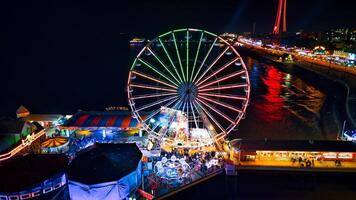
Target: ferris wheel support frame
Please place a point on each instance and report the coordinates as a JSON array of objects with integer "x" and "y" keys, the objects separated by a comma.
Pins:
[{"x": 198, "y": 78}]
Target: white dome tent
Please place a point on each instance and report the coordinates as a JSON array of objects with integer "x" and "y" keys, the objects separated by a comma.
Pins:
[{"x": 105, "y": 171}]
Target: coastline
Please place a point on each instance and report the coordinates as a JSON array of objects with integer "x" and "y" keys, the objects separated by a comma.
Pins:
[{"x": 341, "y": 78}]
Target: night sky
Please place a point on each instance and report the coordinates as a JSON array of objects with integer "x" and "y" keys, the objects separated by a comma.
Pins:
[{"x": 59, "y": 56}]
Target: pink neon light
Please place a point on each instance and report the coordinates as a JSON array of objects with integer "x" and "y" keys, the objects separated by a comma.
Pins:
[
  {"x": 152, "y": 87},
  {"x": 222, "y": 79},
  {"x": 209, "y": 115},
  {"x": 223, "y": 87},
  {"x": 222, "y": 96},
  {"x": 155, "y": 103},
  {"x": 212, "y": 64},
  {"x": 221, "y": 104},
  {"x": 153, "y": 79},
  {"x": 219, "y": 70},
  {"x": 218, "y": 112},
  {"x": 152, "y": 95}
]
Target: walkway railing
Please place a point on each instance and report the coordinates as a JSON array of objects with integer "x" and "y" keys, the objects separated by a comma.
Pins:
[{"x": 20, "y": 147}]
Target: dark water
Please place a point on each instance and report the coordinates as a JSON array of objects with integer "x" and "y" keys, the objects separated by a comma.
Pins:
[
  {"x": 272, "y": 185},
  {"x": 289, "y": 103}
]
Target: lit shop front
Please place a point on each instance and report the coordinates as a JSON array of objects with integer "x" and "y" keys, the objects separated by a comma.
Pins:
[
  {"x": 250, "y": 150},
  {"x": 288, "y": 155}
]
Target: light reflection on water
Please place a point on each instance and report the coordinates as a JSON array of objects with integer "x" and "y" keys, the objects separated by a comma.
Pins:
[{"x": 282, "y": 105}]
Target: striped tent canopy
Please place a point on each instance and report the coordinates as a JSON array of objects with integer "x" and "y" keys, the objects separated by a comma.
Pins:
[
  {"x": 114, "y": 119},
  {"x": 54, "y": 142}
]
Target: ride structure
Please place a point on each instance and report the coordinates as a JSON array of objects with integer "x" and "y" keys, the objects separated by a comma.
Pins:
[{"x": 189, "y": 89}]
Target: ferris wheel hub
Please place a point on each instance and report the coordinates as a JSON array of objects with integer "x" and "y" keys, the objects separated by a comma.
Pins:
[{"x": 187, "y": 91}]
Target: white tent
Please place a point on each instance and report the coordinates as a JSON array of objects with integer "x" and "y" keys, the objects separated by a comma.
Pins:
[{"x": 92, "y": 176}]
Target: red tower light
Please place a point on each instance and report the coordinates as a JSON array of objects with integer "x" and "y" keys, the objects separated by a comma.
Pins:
[{"x": 282, "y": 6}]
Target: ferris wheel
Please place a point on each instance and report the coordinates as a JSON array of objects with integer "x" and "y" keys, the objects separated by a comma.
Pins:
[{"x": 188, "y": 83}]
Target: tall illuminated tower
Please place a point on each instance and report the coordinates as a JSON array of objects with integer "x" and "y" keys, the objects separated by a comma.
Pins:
[{"x": 282, "y": 6}]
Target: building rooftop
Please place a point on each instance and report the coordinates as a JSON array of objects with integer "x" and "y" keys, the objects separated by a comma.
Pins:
[
  {"x": 118, "y": 119},
  {"x": 11, "y": 126},
  {"x": 104, "y": 163},
  {"x": 27, "y": 171},
  {"x": 43, "y": 117},
  {"x": 22, "y": 109}
]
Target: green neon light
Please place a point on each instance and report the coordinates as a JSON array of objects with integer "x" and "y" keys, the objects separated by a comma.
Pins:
[
  {"x": 196, "y": 55},
  {"x": 164, "y": 34},
  {"x": 211, "y": 47},
  {"x": 170, "y": 60},
  {"x": 210, "y": 33},
  {"x": 194, "y": 29},
  {"x": 159, "y": 60},
  {"x": 179, "y": 30},
  {"x": 180, "y": 62},
  {"x": 187, "y": 55},
  {"x": 133, "y": 64},
  {"x": 157, "y": 71}
]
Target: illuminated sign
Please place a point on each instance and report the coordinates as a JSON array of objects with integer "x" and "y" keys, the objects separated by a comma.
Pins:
[
  {"x": 329, "y": 155},
  {"x": 345, "y": 155},
  {"x": 145, "y": 194}
]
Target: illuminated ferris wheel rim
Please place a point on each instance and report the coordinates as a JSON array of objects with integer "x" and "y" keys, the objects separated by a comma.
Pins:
[{"x": 185, "y": 86}]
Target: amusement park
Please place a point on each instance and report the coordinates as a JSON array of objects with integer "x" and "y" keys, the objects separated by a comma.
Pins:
[
  {"x": 187, "y": 89},
  {"x": 201, "y": 114}
]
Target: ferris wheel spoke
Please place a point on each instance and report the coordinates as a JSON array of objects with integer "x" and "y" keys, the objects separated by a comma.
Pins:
[
  {"x": 178, "y": 104},
  {"x": 219, "y": 70},
  {"x": 227, "y": 96},
  {"x": 212, "y": 64},
  {"x": 193, "y": 113},
  {"x": 180, "y": 61},
  {"x": 184, "y": 104},
  {"x": 216, "y": 111},
  {"x": 153, "y": 79},
  {"x": 168, "y": 123},
  {"x": 145, "y": 96},
  {"x": 221, "y": 104},
  {"x": 159, "y": 110},
  {"x": 222, "y": 79},
  {"x": 155, "y": 103},
  {"x": 196, "y": 55},
  {"x": 209, "y": 115},
  {"x": 151, "y": 87},
  {"x": 170, "y": 59},
  {"x": 164, "y": 65},
  {"x": 157, "y": 71},
  {"x": 187, "y": 51},
  {"x": 206, "y": 57},
  {"x": 224, "y": 87},
  {"x": 188, "y": 114}
]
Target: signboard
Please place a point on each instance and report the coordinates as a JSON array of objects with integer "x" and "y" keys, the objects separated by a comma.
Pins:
[{"x": 145, "y": 194}]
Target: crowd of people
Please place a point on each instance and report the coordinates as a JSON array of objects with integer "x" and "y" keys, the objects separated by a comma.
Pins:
[{"x": 200, "y": 164}]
